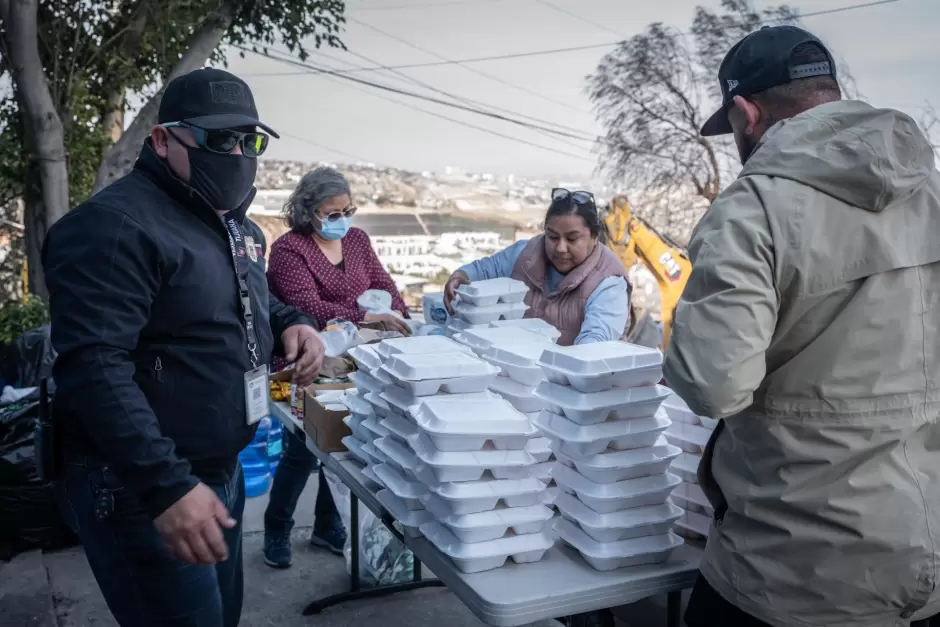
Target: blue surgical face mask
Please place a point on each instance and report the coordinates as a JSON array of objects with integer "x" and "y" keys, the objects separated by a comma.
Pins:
[{"x": 335, "y": 229}]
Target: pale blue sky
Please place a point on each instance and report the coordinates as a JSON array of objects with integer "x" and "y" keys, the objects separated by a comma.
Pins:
[{"x": 892, "y": 50}]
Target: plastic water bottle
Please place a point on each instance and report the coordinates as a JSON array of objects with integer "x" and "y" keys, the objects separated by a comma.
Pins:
[
  {"x": 275, "y": 445},
  {"x": 255, "y": 465}
]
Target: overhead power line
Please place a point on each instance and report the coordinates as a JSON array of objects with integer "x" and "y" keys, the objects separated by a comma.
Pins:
[
  {"x": 564, "y": 50},
  {"x": 331, "y": 74}
]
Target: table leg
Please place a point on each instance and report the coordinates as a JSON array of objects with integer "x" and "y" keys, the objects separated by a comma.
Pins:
[
  {"x": 416, "y": 569},
  {"x": 354, "y": 542},
  {"x": 674, "y": 609}
]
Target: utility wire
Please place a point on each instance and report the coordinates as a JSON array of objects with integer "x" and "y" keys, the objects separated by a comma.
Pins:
[
  {"x": 330, "y": 74},
  {"x": 552, "y": 51},
  {"x": 340, "y": 75},
  {"x": 497, "y": 79},
  {"x": 335, "y": 151},
  {"x": 578, "y": 17}
]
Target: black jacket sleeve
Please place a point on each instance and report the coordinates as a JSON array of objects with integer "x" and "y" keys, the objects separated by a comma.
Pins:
[
  {"x": 103, "y": 272},
  {"x": 282, "y": 317}
]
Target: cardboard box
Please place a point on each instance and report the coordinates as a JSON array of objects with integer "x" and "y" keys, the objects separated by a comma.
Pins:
[{"x": 325, "y": 426}]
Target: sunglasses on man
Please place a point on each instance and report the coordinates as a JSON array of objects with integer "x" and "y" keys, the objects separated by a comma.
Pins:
[
  {"x": 224, "y": 141},
  {"x": 577, "y": 197}
]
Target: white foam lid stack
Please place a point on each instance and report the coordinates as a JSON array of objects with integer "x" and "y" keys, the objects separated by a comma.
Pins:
[
  {"x": 690, "y": 433},
  {"x": 603, "y": 414}
]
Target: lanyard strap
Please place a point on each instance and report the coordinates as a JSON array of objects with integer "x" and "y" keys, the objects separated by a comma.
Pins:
[{"x": 240, "y": 258}]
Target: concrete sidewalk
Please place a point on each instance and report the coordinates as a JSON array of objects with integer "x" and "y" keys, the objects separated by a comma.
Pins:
[{"x": 58, "y": 589}]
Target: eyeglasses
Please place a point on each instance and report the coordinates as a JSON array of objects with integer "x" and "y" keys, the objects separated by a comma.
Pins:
[
  {"x": 577, "y": 197},
  {"x": 348, "y": 212},
  {"x": 224, "y": 141}
]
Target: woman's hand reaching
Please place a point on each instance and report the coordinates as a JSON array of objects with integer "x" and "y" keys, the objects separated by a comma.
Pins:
[{"x": 457, "y": 279}]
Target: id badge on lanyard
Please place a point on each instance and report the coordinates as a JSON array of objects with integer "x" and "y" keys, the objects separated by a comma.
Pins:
[{"x": 256, "y": 379}]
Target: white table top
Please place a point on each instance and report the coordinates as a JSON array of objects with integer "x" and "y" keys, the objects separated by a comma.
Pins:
[{"x": 517, "y": 594}]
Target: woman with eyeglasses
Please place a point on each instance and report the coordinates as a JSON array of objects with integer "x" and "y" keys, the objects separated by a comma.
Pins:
[
  {"x": 320, "y": 267},
  {"x": 575, "y": 282}
]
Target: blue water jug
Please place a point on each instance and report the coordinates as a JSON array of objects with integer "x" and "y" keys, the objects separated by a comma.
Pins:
[
  {"x": 254, "y": 459},
  {"x": 275, "y": 445}
]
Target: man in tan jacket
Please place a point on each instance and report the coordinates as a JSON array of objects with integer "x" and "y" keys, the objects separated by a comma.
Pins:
[{"x": 810, "y": 327}]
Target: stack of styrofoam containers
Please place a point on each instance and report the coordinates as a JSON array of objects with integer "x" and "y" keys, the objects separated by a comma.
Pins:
[
  {"x": 483, "y": 302},
  {"x": 604, "y": 417},
  {"x": 460, "y": 459},
  {"x": 690, "y": 433},
  {"x": 363, "y": 420}
]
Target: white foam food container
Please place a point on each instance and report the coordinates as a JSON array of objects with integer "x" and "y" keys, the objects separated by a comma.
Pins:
[
  {"x": 409, "y": 492},
  {"x": 522, "y": 397},
  {"x": 418, "y": 345},
  {"x": 540, "y": 449},
  {"x": 399, "y": 456},
  {"x": 399, "y": 429},
  {"x": 481, "y": 556},
  {"x": 686, "y": 467},
  {"x": 580, "y": 441},
  {"x": 605, "y": 498},
  {"x": 356, "y": 402},
  {"x": 697, "y": 525},
  {"x": 491, "y": 524},
  {"x": 613, "y": 555},
  {"x": 429, "y": 374},
  {"x": 534, "y": 325},
  {"x": 470, "y": 497},
  {"x": 481, "y": 338},
  {"x": 543, "y": 471},
  {"x": 369, "y": 382},
  {"x": 469, "y": 425},
  {"x": 708, "y": 423},
  {"x": 636, "y": 522},
  {"x": 678, "y": 411},
  {"x": 529, "y": 375},
  {"x": 595, "y": 407},
  {"x": 410, "y": 519},
  {"x": 373, "y": 455},
  {"x": 690, "y": 438},
  {"x": 354, "y": 422},
  {"x": 354, "y": 446},
  {"x": 611, "y": 466},
  {"x": 466, "y": 465},
  {"x": 492, "y": 291},
  {"x": 379, "y": 406},
  {"x": 402, "y": 402},
  {"x": 369, "y": 474},
  {"x": 690, "y": 497},
  {"x": 374, "y": 427},
  {"x": 366, "y": 357},
  {"x": 602, "y": 365},
  {"x": 456, "y": 325},
  {"x": 485, "y": 315}
]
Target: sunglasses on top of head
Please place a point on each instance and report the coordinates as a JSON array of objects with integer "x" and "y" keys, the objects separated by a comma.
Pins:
[
  {"x": 348, "y": 212},
  {"x": 224, "y": 141},
  {"x": 577, "y": 197}
]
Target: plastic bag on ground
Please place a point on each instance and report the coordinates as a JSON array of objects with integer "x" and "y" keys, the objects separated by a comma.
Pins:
[{"x": 383, "y": 558}]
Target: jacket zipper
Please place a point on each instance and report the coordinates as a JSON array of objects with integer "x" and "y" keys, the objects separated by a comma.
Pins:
[{"x": 158, "y": 370}]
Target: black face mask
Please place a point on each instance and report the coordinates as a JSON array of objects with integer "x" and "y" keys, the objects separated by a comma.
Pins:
[{"x": 224, "y": 180}]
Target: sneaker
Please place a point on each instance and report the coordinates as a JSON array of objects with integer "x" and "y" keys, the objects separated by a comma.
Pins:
[
  {"x": 333, "y": 539},
  {"x": 277, "y": 550}
]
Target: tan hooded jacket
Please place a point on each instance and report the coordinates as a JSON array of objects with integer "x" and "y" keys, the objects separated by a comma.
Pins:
[{"x": 809, "y": 324}]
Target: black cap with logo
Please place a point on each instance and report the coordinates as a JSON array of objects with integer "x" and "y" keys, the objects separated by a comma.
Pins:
[
  {"x": 761, "y": 61},
  {"x": 211, "y": 99}
]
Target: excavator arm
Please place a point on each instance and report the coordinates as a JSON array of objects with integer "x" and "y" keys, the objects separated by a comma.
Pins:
[{"x": 634, "y": 240}]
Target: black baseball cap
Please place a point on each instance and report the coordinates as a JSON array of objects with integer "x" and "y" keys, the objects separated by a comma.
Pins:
[
  {"x": 761, "y": 61},
  {"x": 212, "y": 99}
]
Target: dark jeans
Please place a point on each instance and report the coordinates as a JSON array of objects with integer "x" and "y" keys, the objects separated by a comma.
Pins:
[
  {"x": 707, "y": 608},
  {"x": 290, "y": 479},
  {"x": 142, "y": 583}
]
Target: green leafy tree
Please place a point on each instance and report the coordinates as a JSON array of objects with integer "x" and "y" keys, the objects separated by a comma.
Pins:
[{"x": 75, "y": 63}]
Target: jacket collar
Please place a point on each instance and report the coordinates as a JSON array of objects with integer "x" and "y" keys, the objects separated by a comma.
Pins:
[
  {"x": 156, "y": 169},
  {"x": 536, "y": 268}
]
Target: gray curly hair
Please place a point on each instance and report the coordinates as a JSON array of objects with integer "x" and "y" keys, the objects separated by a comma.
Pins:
[{"x": 314, "y": 189}]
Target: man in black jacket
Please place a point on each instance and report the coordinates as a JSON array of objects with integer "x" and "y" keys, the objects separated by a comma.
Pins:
[{"x": 164, "y": 327}]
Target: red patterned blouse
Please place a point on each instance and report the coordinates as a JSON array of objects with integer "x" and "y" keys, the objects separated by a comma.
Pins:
[{"x": 300, "y": 275}]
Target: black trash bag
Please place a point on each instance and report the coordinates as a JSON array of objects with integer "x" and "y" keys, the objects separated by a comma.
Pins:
[
  {"x": 29, "y": 515},
  {"x": 35, "y": 356}
]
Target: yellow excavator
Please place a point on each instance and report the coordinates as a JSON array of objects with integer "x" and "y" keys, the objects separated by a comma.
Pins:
[{"x": 635, "y": 240}]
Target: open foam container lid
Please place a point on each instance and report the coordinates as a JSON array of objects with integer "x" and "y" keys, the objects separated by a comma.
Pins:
[
  {"x": 619, "y": 549},
  {"x": 570, "y": 398},
  {"x": 482, "y": 416},
  {"x": 418, "y": 345},
  {"x": 567, "y": 431},
  {"x": 608, "y": 460},
  {"x": 574, "y": 480},
  {"x": 622, "y": 519},
  {"x": 437, "y": 366},
  {"x": 500, "y": 286},
  {"x": 599, "y": 358},
  {"x": 486, "y": 459}
]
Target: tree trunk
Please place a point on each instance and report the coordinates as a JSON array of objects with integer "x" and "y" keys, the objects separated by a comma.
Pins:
[
  {"x": 47, "y": 191},
  {"x": 120, "y": 157}
]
